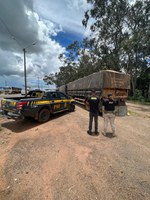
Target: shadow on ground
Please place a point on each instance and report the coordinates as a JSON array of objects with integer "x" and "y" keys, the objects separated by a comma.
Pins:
[
  {"x": 109, "y": 135},
  {"x": 26, "y": 124}
]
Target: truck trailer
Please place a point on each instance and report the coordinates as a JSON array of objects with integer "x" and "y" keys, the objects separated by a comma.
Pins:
[{"x": 103, "y": 82}]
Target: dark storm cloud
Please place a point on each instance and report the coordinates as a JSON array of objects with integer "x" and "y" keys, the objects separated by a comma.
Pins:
[
  {"x": 24, "y": 22},
  {"x": 17, "y": 27}
]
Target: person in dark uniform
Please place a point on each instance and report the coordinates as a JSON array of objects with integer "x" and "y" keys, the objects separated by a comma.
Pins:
[
  {"x": 109, "y": 113},
  {"x": 93, "y": 103}
]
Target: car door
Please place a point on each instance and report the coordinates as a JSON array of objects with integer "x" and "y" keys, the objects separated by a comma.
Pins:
[
  {"x": 64, "y": 101},
  {"x": 57, "y": 103}
]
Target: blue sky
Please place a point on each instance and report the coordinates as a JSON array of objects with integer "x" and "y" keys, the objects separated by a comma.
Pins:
[
  {"x": 52, "y": 25},
  {"x": 66, "y": 38}
]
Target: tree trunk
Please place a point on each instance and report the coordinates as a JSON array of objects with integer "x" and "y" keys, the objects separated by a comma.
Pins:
[
  {"x": 149, "y": 92},
  {"x": 135, "y": 74},
  {"x": 130, "y": 70},
  {"x": 133, "y": 85}
]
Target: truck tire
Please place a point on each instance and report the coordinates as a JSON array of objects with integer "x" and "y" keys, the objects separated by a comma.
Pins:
[
  {"x": 72, "y": 108},
  {"x": 44, "y": 115}
]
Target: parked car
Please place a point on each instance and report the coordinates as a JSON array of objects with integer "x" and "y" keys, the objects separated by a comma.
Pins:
[{"x": 39, "y": 108}]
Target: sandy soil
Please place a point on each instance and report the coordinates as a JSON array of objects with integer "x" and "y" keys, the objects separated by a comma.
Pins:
[{"x": 58, "y": 160}]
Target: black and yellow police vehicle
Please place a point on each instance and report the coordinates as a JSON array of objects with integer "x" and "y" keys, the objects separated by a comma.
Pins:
[{"x": 39, "y": 108}]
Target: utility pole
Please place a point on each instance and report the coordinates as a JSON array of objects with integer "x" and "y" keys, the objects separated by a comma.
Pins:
[
  {"x": 149, "y": 91},
  {"x": 5, "y": 83},
  {"x": 38, "y": 83},
  {"x": 25, "y": 72}
]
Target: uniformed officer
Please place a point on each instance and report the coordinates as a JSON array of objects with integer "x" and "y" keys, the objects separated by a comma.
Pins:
[
  {"x": 93, "y": 103},
  {"x": 109, "y": 113}
]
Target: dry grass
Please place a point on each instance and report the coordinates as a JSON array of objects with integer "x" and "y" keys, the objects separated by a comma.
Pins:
[{"x": 132, "y": 113}]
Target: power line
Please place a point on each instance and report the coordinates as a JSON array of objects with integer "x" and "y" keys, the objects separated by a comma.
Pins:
[
  {"x": 9, "y": 32},
  {"x": 24, "y": 51}
]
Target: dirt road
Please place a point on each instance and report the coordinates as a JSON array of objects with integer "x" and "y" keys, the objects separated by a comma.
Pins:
[{"x": 58, "y": 160}]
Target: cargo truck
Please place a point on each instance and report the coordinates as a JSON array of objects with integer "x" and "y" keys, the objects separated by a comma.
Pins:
[{"x": 104, "y": 82}]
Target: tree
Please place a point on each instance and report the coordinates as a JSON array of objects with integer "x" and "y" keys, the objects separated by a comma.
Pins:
[
  {"x": 121, "y": 32},
  {"x": 50, "y": 79},
  {"x": 135, "y": 46},
  {"x": 119, "y": 41},
  {"x": 107, "y": 29},
  {"x": 77, "y": 62},
  {"x": 68, "y": 70}
]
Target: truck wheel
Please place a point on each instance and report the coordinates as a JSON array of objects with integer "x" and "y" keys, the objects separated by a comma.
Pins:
[
  {"x": 72, "y": 107},
  {"x": 44, "y": 115}
]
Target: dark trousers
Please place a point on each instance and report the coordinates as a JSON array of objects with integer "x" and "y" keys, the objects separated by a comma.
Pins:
[{"x": 91, "y": 116}]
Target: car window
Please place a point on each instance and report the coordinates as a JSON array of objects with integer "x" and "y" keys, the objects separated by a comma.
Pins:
[
  {"x": 33, "y": 94},
  {"x": 46, "y": 95},
  {"x": 54, "y": 95},
  {"x": 36, "y": 94},
  {"x": 62, "y": 96}
]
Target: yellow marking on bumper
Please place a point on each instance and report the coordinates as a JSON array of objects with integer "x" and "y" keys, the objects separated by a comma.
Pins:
[{"x": 12, "y": 103}]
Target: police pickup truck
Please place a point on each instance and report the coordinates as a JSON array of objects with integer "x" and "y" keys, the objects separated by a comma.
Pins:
[{"x": 39, "y": 108}]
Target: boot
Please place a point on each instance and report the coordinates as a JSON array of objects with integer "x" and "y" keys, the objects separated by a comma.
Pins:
[
  {"x": 104, "y": 133},
  {"x": 89, "y": 132},
  {"x": 114, "y": 135},
  {"x": 96, "y": 133}
]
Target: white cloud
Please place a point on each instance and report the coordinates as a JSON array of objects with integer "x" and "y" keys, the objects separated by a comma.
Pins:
[
  {"x": 24, "y": 22},
  {"x": 68, "y": 13}
]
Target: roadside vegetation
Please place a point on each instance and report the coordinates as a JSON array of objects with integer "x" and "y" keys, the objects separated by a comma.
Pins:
[
  {"x": 119, "y": 41},
  {"x": 138, "y": 97}
]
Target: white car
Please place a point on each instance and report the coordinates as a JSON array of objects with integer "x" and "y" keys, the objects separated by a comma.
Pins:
[{"x": 23, "y": 91}]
